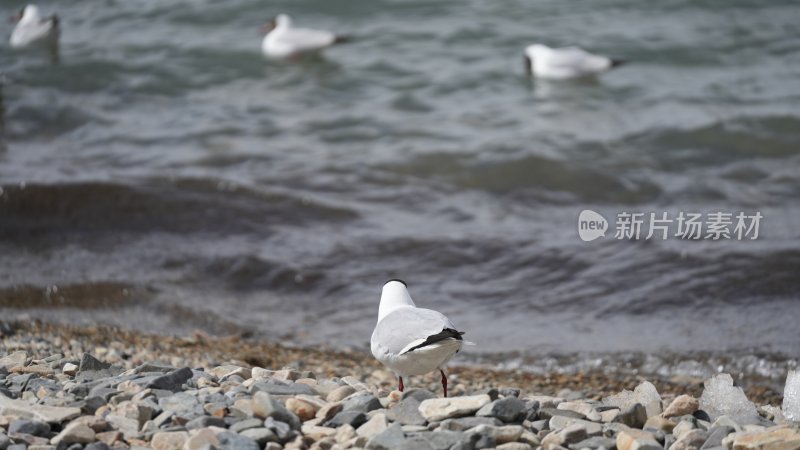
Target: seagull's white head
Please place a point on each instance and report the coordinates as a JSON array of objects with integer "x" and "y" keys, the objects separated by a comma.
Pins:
[
  {"x": 281, "y": 21},
  {"x": 532, "y": 52},
  {"x": 394, "y": 295},
  {"x": 535, "y": 50},
  {"x": 30, "y": 13}
]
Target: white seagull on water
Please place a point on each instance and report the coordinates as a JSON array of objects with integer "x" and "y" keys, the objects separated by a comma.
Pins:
[
  {"x": 410, "y": 340},
  {"x": 284, "y": 41},
  {"x": 32, "y": 29},
  {"x": 564, "y": 63}
]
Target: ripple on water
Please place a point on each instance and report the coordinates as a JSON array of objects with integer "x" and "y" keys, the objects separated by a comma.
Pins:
[{"x": 165, "y": 155}]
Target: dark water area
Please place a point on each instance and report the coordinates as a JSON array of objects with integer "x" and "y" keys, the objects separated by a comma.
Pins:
[{"x": 165, "y": 176}]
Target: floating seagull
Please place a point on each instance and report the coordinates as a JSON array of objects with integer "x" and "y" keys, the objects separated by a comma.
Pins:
[
  {"x": 410, "y": 340},
  {"x": 563, "y": 63},
  {"x": 32, "y": 29},
  {"x": 284, "y": 41}
]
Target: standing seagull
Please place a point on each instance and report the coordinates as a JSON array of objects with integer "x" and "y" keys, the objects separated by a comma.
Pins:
[
  {"x": 284, "y": 41},
  {"x": 32, "y": 29},
  {"x": 567, "y": 62},
  {"x": 410, "y": 340}
]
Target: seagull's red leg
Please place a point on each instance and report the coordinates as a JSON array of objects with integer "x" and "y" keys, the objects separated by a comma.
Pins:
[
  {"x": 444, "y": 382},
  {"x": 401, "y": 383}
]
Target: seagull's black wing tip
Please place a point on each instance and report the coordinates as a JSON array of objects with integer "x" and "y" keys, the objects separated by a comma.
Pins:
[
  {"x": 396, "y": 279},
  {"x": 447, "y": 333},
  {"x": 342, "y": 38},
  {"x": 618, "y": 62}
]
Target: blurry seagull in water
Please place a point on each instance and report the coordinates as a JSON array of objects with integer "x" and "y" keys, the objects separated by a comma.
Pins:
[
  {"x": 410, "y": 340},
  {"x": 284, "y": 41},
  {"x": 32, "y": 29},
  {"x": 542, "y": 61}
]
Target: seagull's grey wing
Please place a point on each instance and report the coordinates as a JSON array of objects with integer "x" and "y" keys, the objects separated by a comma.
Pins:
[
  {"x": 305, "y": 39},
  {"x": 579, "y": 59},
  {"x": 406, "y": 326}
]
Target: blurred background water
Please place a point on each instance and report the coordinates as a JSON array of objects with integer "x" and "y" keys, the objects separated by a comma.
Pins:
[{"x": 164, "y": 176}]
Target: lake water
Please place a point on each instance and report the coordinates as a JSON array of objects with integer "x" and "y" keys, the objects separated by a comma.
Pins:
[{"x": 165, "y": 176}]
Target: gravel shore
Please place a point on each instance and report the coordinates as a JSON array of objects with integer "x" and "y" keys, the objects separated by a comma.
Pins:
[{"x": 94, "y": 388}]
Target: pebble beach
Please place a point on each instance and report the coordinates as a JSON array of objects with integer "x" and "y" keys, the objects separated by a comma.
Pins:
[{"x": 98, "y": 388}]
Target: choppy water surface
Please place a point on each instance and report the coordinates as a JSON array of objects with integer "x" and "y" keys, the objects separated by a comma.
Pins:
[{"x": 165, "y": 176}]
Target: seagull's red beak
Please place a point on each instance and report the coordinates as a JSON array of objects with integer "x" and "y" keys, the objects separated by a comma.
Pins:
[{"x": 15, "y": 18}]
